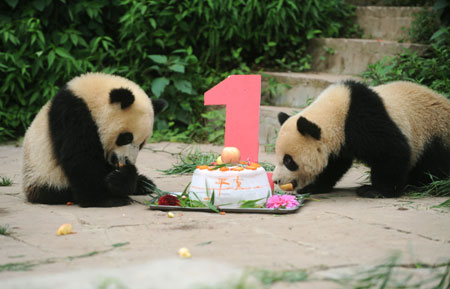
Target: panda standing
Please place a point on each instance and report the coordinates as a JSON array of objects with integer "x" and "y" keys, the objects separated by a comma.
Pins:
[
  {"x": 401, "y": 130},
  {"x": 83, "y": 144}
]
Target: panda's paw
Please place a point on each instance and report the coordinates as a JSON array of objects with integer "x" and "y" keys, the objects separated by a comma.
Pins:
[
  {"x": 144, "y": 186},
  {"x": 122, "y": 181},
  {"x": 368, "y": 191}
]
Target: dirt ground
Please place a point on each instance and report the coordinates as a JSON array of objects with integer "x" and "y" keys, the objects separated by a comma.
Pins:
[{"x": 133, "y": 247}]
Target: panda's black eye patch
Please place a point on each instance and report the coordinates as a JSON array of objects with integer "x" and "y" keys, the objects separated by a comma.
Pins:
[
  {"x": 289, "y": 163},
  {"x": 124, "y": 139}
]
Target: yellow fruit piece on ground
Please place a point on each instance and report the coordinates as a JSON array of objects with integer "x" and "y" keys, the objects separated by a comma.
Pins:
[
  {"x": 184, "y": 253},
  {"x": 64, "y": 229}
]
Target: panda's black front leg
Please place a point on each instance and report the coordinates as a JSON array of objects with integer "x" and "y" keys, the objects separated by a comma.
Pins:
[
  {"x": 122, "y": 180},
  {"x": 324, "y": 183},
  {"x": 125, "y": 181}
]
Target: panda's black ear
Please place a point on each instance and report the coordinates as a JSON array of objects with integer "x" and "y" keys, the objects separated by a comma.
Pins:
[
  {"x": 159, "y": 105},
  {"x": 306, "y": 127},
  {"x": 122, "y": 95},
  {"x": 282, "y": 117}
]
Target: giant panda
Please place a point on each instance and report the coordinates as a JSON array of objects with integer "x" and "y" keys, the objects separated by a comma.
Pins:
[
  {"x": 401, "y": 130},
  {"x": 82, "y": 145}
]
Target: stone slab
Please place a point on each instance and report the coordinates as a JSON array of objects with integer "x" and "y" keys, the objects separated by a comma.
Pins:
[
  {"x": 297, "y": 90},
  {"x": 133, "y": 245},
  {"x": 386, "y": 23},
  {"x": 352, "y": 56}
]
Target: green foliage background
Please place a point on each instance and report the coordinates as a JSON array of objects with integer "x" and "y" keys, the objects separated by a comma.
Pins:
[
  {"x": 174, "y": 49},
  {"x": 431, "y": 69}
]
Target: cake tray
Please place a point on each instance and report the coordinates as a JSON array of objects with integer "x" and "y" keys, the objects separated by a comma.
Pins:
[{"x": 230, "y": 209}]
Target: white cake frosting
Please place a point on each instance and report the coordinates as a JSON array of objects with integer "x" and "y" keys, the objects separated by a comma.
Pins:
[{"x": 230, "y": 187}]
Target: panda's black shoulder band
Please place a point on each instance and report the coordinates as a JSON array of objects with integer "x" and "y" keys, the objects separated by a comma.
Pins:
[{"x": 122, "y": 95}]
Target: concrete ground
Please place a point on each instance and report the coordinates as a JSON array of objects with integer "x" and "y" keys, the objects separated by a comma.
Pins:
[{"x": 133, "y": 247}]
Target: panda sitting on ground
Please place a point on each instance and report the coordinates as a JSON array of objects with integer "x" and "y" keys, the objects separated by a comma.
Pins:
[
  {"x": 401, "y": 130},
  {"x": 83, "y": 144}
]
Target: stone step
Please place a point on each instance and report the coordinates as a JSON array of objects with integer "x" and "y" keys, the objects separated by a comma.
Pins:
[
  {"x": 268, "y": 123},
  {"x": 352, "y": 56},
  {"x": 366, "y": 2},
  {"x": 386, "y": 23},
  {"x": 297, "y": 90}
]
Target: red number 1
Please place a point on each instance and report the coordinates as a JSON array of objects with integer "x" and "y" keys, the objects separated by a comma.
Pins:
[{"x": 241, "y": 94}]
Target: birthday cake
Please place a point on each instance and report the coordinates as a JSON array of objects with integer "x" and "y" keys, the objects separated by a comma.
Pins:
[{"x": 231, "y": 183}]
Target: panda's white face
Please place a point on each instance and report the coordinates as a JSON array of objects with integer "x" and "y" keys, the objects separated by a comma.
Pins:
[
  {"x": 122, "y": 111},
  {"x": 311, "y": 136},
  {"x": 301, "y": 157},
  {"x": 126, "y": 150},
  {"x": 126, "y": 128}
]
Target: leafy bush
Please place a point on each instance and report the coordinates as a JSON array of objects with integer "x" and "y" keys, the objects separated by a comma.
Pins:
[
  {"x": 431, "y": 69},
  {"x": 174, "y": 49},
  {"x": 424, "y": 25}
]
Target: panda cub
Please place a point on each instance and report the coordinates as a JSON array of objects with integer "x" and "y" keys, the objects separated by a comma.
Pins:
[
  {"x": 83, "y": 144},
  {"x": 401, "y": 130}
]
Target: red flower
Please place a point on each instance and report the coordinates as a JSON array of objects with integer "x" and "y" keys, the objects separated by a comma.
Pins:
[{"x": 168, "y": 200}]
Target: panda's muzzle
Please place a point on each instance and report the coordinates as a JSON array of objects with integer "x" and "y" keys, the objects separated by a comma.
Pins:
[
  {"x": 118, "y": 162},
  {"x": 123, "y": 155}
]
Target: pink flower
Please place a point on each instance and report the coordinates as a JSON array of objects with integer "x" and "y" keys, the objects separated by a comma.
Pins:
[{"x": 281, "y": 202}]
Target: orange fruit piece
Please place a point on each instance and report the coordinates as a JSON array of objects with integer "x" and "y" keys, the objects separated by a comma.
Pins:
[
  {"x": 251, "y": 168},
  {"x": 211, "y": 168},
  {"x": 255, "y": 165},
  {"x": 202, "y": 167},
  {"x": 224, "y": 169},
  {"x": 237, "y": 169},
  {"x": 243, "y": 163},
  {"x": 287, "y": 187}
]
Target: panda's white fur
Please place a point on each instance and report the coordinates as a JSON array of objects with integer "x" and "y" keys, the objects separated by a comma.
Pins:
[
  {"x": 94, "y": 89},
  {"x": 418, "y": 111},
  {"x": 50, "y": 165},
  {"x": 421, "y": 115},
  {"x": 39, "y": 167}
]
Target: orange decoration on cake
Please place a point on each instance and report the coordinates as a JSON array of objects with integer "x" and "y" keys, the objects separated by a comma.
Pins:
[
  {"x": 256, "y": 165},
  {"x": 251, "y": 168},
  {"x": 202, "y": 167},
  {"x": 237, "y": 169},
  {"x": 224, "y": 169}
]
